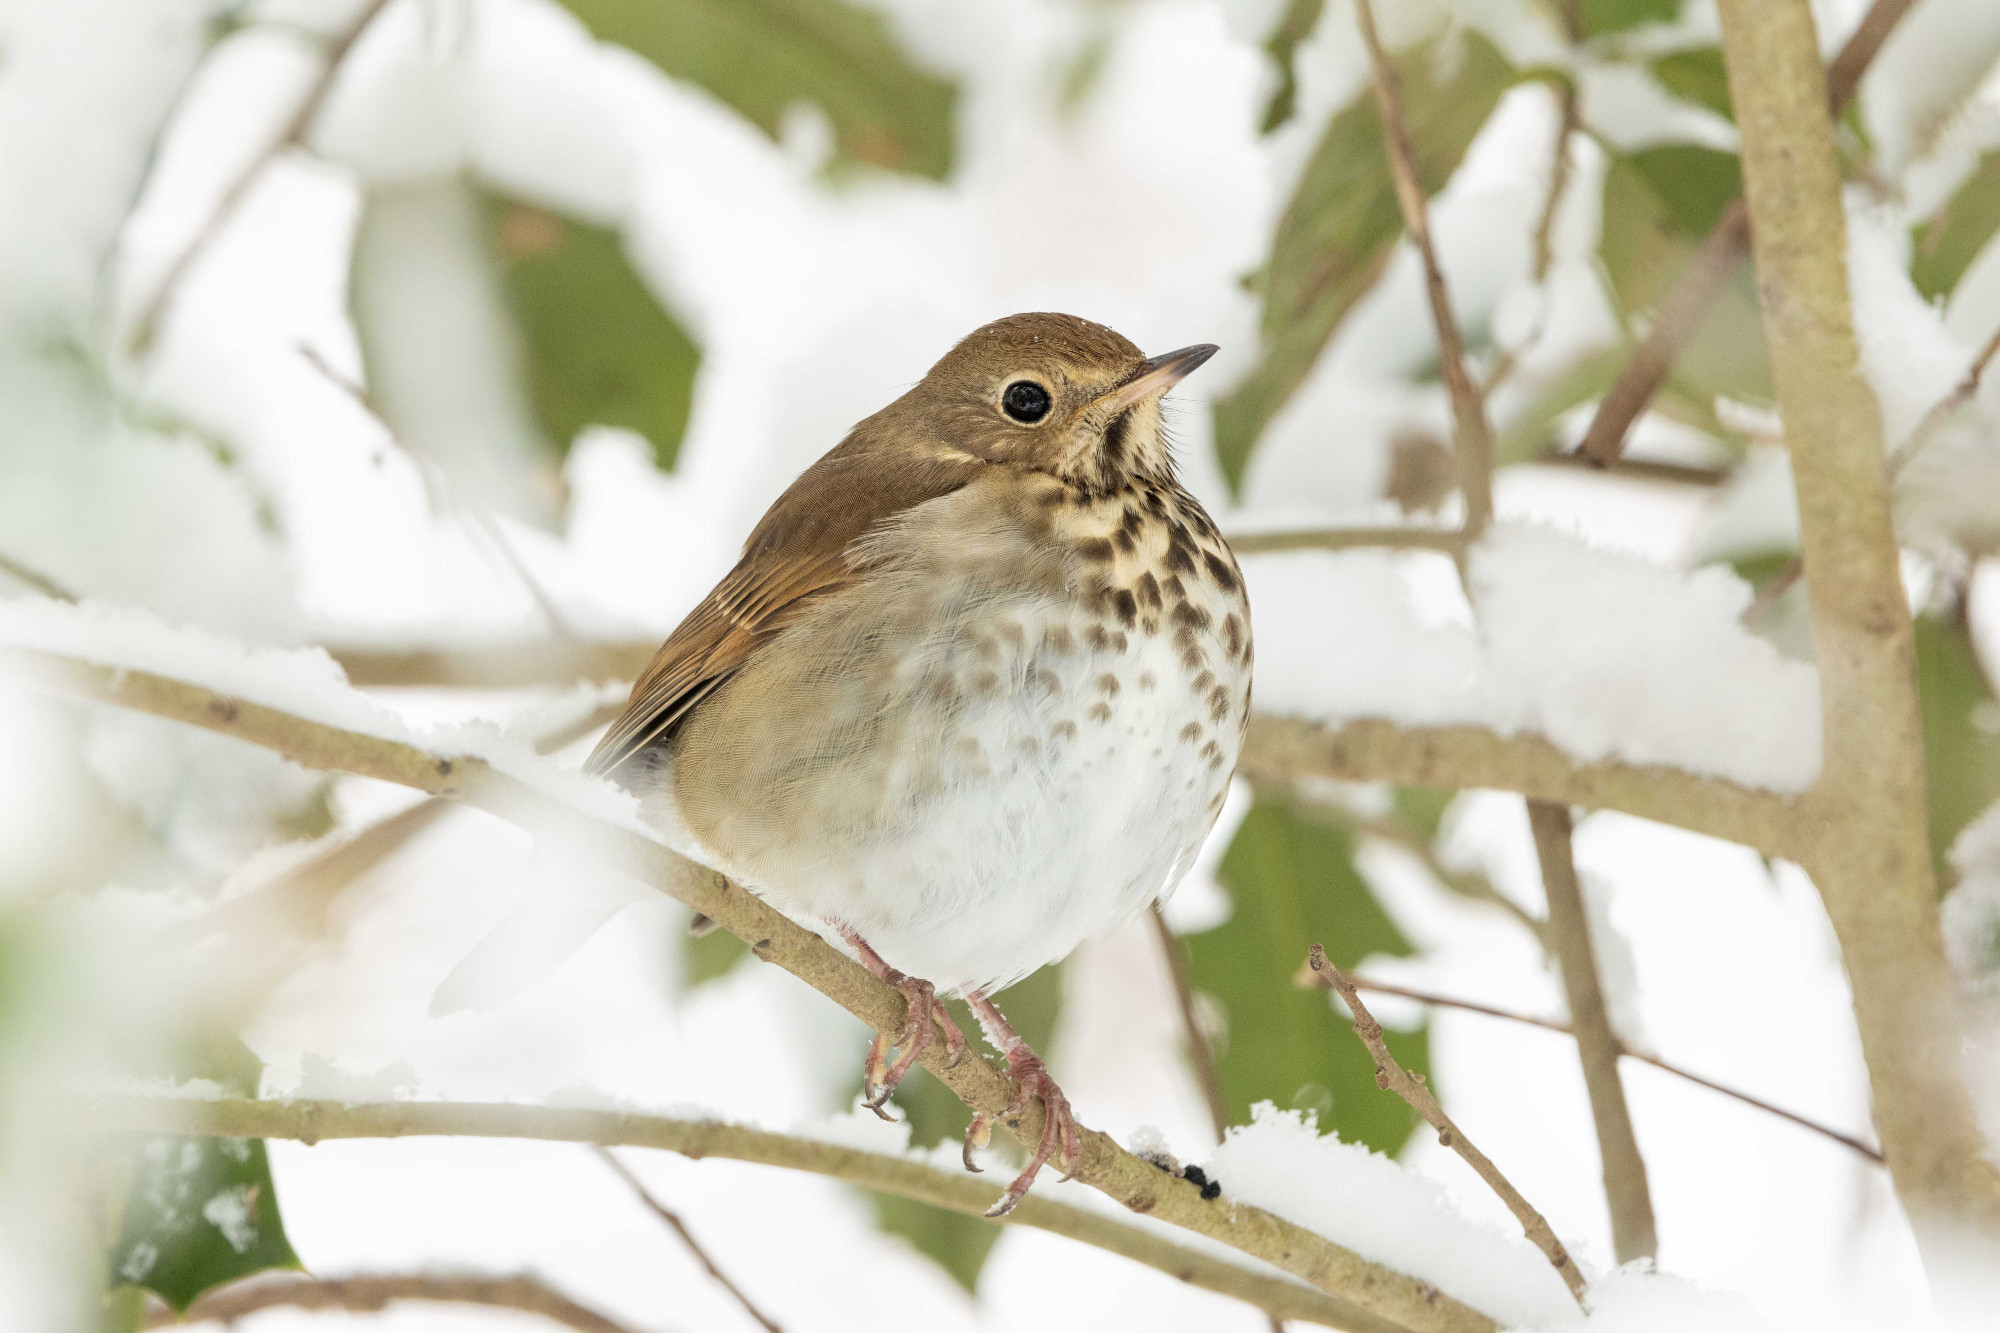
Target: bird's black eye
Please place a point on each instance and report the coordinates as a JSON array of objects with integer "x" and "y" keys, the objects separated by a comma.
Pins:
[{"x": 1025, "y": 401}]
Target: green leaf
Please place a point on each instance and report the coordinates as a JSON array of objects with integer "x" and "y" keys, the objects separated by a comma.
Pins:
[
  {"x": 1945, "y": 246},
  {"x": 764, "y": 56},
  {"x": 1659, "y": 204},
  {"x": 1696, "y": 76},
  {"x": 600, "y": 349},
  {"x": 1292, "y": 883},
  {"x": 1294, "y": 26},
  {"x": 1606, "y": 16},
  {"x": 959, "y": 1243},
  {"x": 1343, "y": 222},
  {"x": 1961, "y": 744},
  {"x": 1422, "y": 808},
  {"x": 197, "y": 1212}
]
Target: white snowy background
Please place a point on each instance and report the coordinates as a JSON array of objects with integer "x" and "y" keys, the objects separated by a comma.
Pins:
[{"x": 814, "y": 304}]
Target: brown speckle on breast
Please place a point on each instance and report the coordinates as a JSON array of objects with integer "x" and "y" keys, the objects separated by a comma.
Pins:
[
  {"x": 1107, "y": 685},
  {"x": 1100, "y": 712}
]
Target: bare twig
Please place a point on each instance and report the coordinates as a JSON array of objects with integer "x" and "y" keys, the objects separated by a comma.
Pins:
[
  {"x": 1392, "y": 1077},
  {"x": 1634, "y": 1235},
  {"x": 679, "y": 1228},
  {"x": 1640, "y": 469},
  {"x": 1681, "y": 312},
  {"x": 35, "y": 579},
  {"x": 1474, "y": 435},
  {"x": 373, "y": 1294},
  {"x": 1447, "y": 541},
  {"x": 1374, "y": 1294},
  {"x": 315, "y": 1121},
  {"x": 1308, "y": 977},
  {"x": 147, "y": 327},
  {"x": 1200, "y": 1054},
  {"x": 502, "y": 666}
]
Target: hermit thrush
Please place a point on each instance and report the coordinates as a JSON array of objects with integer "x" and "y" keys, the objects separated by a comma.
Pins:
[{"x": 974, "y": 691}]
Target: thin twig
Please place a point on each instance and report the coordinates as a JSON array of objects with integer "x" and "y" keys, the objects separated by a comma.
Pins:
[
  {"x": 373, "y": 1294},
  {"x": 1634, "y": 1234},
  {"x": 1201, "y": 1055},
  {"x": 679, "y": 1228},
  {"x": 35, "y": 579},
  {"x": 1397, "y": 832},
  {"x": 1446, "y": 541},
  {"x": 1869, "y": 1151},
  {"x": 1542, "y": 251},
  {"x": 1392, "y": 1077},
  {"x": 1681, "y": 312},
  {"x": 1925, "y": 431},
  {"x": 1474, "y": 436},
  {"x": 885, "y": 1173},
  {"x": 293, "y": 135},
  {"x": 1372, "y": 1294},
  {"x": 1640, "y": 469}
]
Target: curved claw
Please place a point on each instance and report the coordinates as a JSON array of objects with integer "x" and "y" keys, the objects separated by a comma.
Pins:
[{"x": 1058, "y": 1142}]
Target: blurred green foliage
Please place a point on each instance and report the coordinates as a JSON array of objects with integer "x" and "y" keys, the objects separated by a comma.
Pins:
[
  {"x": 1961, "y": 730},
  {"x": 190, "y": 1213},
  {"x": 959, "y": 1243},
  {"x": 763, "y": 57},
  {"x": 1945, "y": 246},
  {"x": 1294, "y": 26},
  {"x": 1659, "y": 204},
  {"x": 1696, "y": 76},
  {"x": 1599, "y": 17},
  {"x": 1292, "y": 883},
  {"x": 1343, "y": 222},
  {"x": 600, "y": 348}
]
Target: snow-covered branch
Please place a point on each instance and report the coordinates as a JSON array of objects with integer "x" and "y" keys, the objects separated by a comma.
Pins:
[
  {"x": 622, "y": 845},
  {"x": 908, "y": 1177}
]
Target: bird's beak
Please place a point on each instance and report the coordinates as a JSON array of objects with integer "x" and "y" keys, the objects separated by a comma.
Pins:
[{"x": 1155, "y": 377}]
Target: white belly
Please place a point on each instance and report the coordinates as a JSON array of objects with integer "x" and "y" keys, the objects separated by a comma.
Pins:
[{"x": 982, "y": 803}]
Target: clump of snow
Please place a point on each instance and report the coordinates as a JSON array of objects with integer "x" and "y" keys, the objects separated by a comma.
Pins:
[
  {"x": 1617, "y": 963},
  {"x": 192, "y": 1089},
  {"x": 233, "y": 1212},
  {"x": 306, "y": 681},
  {"x": 321, "y": 1078},
  {"x": 1369, "y": 1204},
  {"x": 1606, "y": 655},
  {"x": 1636, "y": 1300}
]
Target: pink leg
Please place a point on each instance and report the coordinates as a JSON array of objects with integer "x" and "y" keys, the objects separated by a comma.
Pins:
[
  {"x": 1032, "y": 1076},
  {"x": 879, "y": 1078}
]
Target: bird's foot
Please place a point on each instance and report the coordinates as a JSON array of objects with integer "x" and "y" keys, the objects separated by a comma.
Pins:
[
  {"x": 1059, "y": 1141},
  {"x": 879, "y": 1078}
]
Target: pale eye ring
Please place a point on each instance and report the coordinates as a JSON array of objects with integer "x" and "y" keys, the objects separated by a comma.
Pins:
[{"x": 1025, "y": 401}]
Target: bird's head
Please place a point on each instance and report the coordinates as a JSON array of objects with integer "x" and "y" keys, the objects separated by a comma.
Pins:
[{"x": 1056, "y": 394}]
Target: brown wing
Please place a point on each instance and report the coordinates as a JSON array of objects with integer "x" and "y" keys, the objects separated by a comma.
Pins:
[{"x": 798, "y": 551}]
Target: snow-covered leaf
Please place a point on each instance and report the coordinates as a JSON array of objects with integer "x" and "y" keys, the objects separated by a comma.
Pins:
[
  {"x": 1944, "y": 246},
  {"x": 197, "y": 1212},
  {"x": 1342, "y": 222},
  {"x": 959, "y": 1243},
  {"x": 1292, "y": 883},
  {"x": 763, "y": 57}
]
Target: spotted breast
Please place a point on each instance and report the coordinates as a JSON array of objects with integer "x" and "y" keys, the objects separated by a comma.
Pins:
[{"x": 1011, "y": 731}]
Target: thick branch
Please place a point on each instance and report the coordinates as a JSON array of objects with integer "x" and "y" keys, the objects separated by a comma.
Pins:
[
  {"x": 1282, "y": 749},
  {"x": 1474, "y": 434},
  {"x": 1102, "y": 1163},
  {"x": 373, "y": 1294},
  {"x": 314, "y": 1121},
  {"x": 1869, "y": 852},
  {"x": 1633, "y": 1233},
  {"x": 1681, "y": 312},
  {"x": 1392, "y": 1077},
  {"x": 1445, "y": 541}
]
